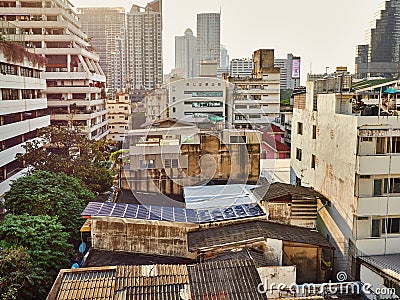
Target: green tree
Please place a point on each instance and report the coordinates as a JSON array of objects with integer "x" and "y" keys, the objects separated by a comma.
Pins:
[
  {"x": 53, "y": 194},
  {"x": 45, "y": 241},
  {"x": 70, "y": 151},
  {"x": 16, "y": 272}
]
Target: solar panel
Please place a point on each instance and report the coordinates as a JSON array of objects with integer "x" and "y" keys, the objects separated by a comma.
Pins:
[
  {"x": 180, "y": 215},
  {"x": 172, "y": 214}
]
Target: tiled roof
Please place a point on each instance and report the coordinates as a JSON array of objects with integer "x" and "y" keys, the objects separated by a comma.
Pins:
[
  {"x": 240, "y": 232},
  {"x": 237, "y": 279},
  {"x": 244, "y": 254},
  {"x": 276, "y": 190},
  {"x": 388, "y": 264},
  {"x": 123, "y": 282},
  {"x": 102, "y": 258}
]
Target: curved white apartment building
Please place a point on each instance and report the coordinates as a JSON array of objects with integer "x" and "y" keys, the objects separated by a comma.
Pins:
[
  {"x": 75, "y": 80},
  {"x": 22, "y": 112}
]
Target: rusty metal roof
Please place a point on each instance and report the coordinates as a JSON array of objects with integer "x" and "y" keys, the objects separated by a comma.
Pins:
[
  {"x": 237, "y": 279},
  {"x": 121, "y": 283}
]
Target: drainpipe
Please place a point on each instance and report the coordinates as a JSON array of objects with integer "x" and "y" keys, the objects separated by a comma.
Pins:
[{"x": 327, "y": 203}]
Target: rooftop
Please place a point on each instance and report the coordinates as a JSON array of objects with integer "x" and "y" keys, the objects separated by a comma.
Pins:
[
  {"x": 388, "y": 264},
  {"x": 172, "y": 214},
  {"x": 245, "y": 231},
  {"x": 102, "y": 258},
  {"x": 237, "y": 279},
  {"x": 121, "y": 282},
  {"x": 277, "y": 190}
]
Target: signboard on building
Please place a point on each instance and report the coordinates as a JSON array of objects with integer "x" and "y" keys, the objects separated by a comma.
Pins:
[{"x": 296, "y": 68}]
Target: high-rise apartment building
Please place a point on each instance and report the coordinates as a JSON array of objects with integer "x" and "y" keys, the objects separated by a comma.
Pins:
[
  {"x": 383, "y": 44},
  {"x": 106, "y": 28},
  {"x": 185, "y": 54},
  {"x": 344, "y": 149},
  {"x": 75, "y": 80},
  {"x": 144, "y": 46},
  {"x": 209, "y": 37},
  {"x": 241, "y": 67},
  {"x": 23, "y": 110},
  {"x": 223, "y": 67},
  {"x": 290, "y": 71},
  {"x": 257, "y": 98}
]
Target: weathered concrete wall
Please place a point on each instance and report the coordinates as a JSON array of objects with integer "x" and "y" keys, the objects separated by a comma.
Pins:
[
  {"x": 279, "y": 212},
  {"x": 139, "y": 236},
  {"x": 306, "y": 259},
  {"x": 276, "y": 275}
]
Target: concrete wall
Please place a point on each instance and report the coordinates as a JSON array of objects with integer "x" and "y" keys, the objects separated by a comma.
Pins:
[
  {"x": 140, "y": 236},
  {"x": 367, "y": 276},
  {"x": 276, "y": 275}
]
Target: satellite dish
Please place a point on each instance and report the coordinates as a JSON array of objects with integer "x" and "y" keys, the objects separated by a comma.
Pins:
[
  {"x": 75, "y": 266},
  {"x": 82, "y": 248}
]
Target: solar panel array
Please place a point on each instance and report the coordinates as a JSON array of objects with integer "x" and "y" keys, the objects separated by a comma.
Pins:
[{"x": 172, "y": 214}]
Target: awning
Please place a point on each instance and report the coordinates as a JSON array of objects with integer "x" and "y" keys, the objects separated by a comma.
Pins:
[{"x": 86, "y": 226}]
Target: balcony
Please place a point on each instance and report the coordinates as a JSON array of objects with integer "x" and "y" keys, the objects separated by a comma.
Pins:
[
  {"x": 378, "y": 164},
  {"x": 19, "y": 82},
  {"x": 379, "y": 246},
  {"x": 17, "y": 106},
  {"x": 72, "y": 89},
  {"x": 78, "y": 116},
  {"x": 19, "y": 128},
  {"x": 379, "y": 206}
]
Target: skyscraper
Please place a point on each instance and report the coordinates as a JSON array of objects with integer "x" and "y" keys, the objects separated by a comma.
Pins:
[
  {"x": 209, "y": 37},
  {"x": 185, "y": 53},
  {"x": 106, "y": 27},
  {"x": 144, "y": 45},
  {"x": 384, "y": 44}
]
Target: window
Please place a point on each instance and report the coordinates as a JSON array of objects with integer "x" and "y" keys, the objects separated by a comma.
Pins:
[
  {"x": 237, "y": 139},
  {"x": 393, "y": 145},
  {"x": 314, "y": 132},
  {"x": 380, "y": 145},
  {"x": 174, "y": 109},
  {"x": 366, "y": 139},
  {"x": 175, "y": 163},
  {"x": 386, "y": 186},
  {"x": 299, "y": 128},
  {"x": 167, "y": 163},
  {"x": 393, "y": 225},
  {"x": 313, "y": 158},
  {"x": 376, "y": 228},
  {"x": 298, "y": 154}
]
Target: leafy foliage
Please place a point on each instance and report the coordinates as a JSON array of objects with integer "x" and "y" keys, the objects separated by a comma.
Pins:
[
  {"x": 45, "y": 242},
  {"x": 16, "y": 272},
  {"x": 53, "y": 194},
  {"x": 71, "y": 152},
  {"x": 16, "y": 53}
]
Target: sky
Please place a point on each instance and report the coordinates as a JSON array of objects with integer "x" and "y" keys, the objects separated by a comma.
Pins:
[{"x": 324, "y": 33}]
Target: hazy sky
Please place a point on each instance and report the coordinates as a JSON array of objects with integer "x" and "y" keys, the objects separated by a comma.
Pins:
[{"x": 323, "y": 32}]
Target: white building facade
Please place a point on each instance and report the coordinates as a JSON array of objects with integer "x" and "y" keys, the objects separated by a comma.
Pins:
[
  {"x": 23, "y": 110},
  {"x": 196, "y": 99},
  {"x": 352, "y": 159},
  {"x": 241, "y": 67},
  {"x": 75, "y": 80},
  {"x": 157, "y": 105}
]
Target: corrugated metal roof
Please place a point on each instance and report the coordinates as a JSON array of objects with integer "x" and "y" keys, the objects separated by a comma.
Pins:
[
  {"x": 81, "y": 284},
  {"x": 145, "y": 282},
  {"x": 237, "y": 279},
  {"x": 388, "y": 264},
  {"x": 200, "y": 197},
  {"x": 244, "y": 231}
]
